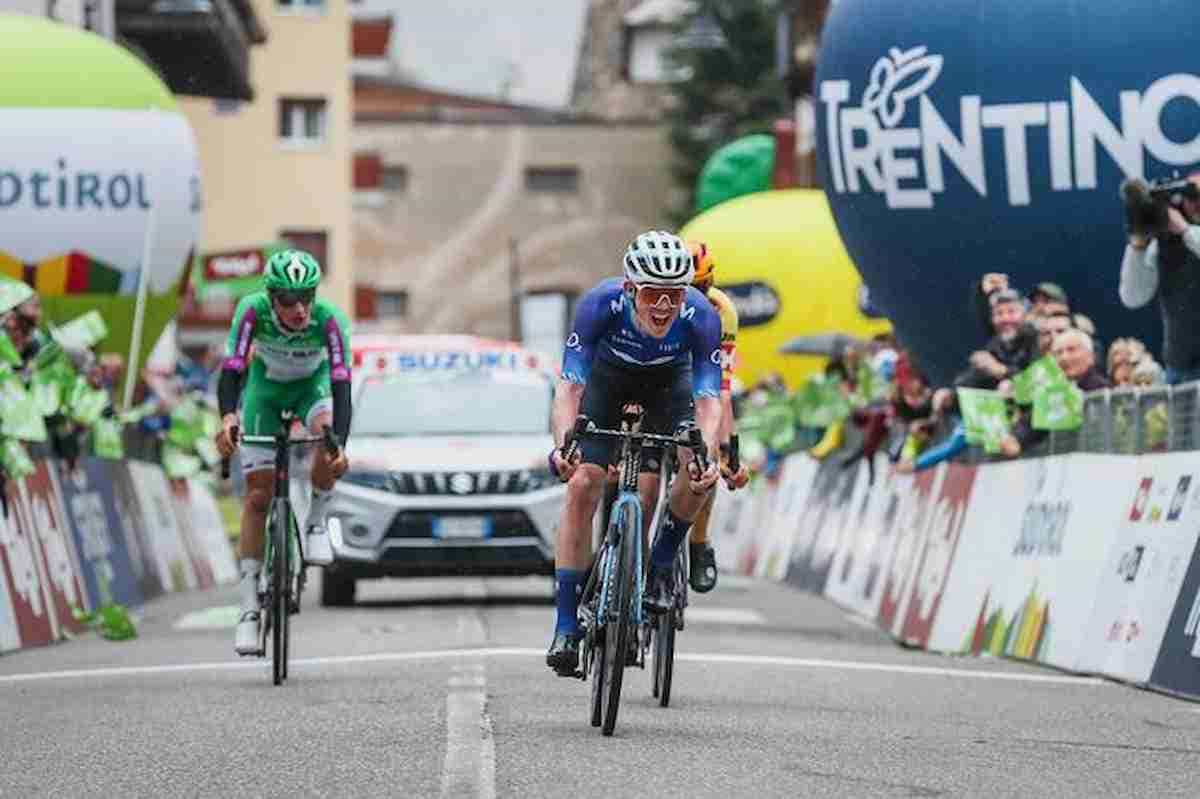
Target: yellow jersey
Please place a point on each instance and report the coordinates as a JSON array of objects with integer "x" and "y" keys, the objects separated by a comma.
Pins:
[{"x": 729, "y": 330}]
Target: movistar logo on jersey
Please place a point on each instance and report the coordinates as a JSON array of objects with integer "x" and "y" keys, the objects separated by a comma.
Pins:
[{"x": 896, "y": 142}]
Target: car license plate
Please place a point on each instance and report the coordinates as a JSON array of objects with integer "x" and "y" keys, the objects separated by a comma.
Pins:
[{"x": 459, "y": 527}]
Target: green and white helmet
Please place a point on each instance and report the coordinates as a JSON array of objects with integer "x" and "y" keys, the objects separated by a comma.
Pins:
[{"x": 292, "y": 270}]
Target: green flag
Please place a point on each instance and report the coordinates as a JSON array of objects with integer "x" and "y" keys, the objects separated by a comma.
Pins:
[
  {"x": 8, "y": 351},
  {"x": 82, "y": 332},
  {"x": 1040, "y": 374},
  {"x": 1058, "y": 407},
  {"x": 22, "y": 417},
  {"x": 13, "y": 293},
  {"x": 87, "y": 403},
  {"x": 107, "y": 441},
  {"x": 47, "y": 392},
  {"x": 14, "y": 459},
  {"x": 179, "y": 464},
  {"x": 985, "y": 417}
]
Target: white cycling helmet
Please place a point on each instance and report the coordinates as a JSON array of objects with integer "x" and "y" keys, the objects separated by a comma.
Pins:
[{"x": 658, "y": 258}]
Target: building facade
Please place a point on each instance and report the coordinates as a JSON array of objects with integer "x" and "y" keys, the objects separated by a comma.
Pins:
[{"x": 278, "y": 168}]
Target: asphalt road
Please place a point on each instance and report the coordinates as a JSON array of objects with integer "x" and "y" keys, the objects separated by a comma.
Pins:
[{"x": 439, "y": 688}]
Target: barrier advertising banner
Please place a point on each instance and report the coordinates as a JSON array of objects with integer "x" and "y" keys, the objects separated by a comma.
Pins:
[
  {"x": 162, "y": 530},
  {"x": 855, "y": 577},
  {"x": 137, "y": 538},
  {"x": 51, "y": 534},
  {"x": 909, "y": 543},
  {"x": 1030, "y": 559},
  {"x": 209, "y": 529},
  {"x": 754, "y": 520},
  {"x": 108, "y": 572},
  {"x": 798, "y": 472},
  {"x": 1177, "y": 667},
  {"x": 822, "y": 522},
  {"x": 10, "y": 633},
  {"x": 181, "y": 506},
  {"x": 24, "y": 573},
  {"x": 725, "y": 529},
  {"x": 1156, "y": 534},
  {"x": 944, "y": 522}
]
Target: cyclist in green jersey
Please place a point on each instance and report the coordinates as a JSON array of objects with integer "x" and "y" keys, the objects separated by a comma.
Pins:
[{"x": 292, "y": 350}]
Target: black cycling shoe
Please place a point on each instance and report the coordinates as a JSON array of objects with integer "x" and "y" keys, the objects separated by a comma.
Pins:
[
  {"x": 703, "y": 567},
  {"x": 659, "y": 596},
  {"x": 563, "y": 655}
]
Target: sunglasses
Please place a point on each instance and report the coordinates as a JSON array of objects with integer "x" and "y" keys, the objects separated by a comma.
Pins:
[
  {"x": 289, "y": 298},
  {"x": 661, "y": 298}
]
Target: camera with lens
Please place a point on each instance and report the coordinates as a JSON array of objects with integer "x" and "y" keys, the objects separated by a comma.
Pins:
[{"x": 1146, "y": 204}]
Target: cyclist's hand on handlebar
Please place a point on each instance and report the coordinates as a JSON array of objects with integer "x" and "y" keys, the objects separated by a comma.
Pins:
[
  {"x": 226, "y": 439},
  {"x": 702, "y": 482},
  {"x": 734, "y": 480},
  {"x": 563, "y": 466},
  {"x": 339, "y": 463}
]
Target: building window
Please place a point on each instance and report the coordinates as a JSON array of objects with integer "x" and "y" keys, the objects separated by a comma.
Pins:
[
  {"x": 301, "y": 121},
  {"x": 315, "y": 242},
  {"x": 368, "y": 171},
  {"x": 395, "y": 177},
  {"x": 552, "y": 178},
  {"x": 391, "y": 304}
]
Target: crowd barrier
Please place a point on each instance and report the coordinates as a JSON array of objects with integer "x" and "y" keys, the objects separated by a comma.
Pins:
[
  {"x": 1084, "y": 562},
  {"x": 105, "y": 532}
]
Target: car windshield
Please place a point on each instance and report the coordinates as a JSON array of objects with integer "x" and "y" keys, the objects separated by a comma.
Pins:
[{"x": 492, "y": 403}]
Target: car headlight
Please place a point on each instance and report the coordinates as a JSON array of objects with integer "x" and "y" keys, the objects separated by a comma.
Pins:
[
  {"x": 365, "y": 478},
  {"x": 537, "y": 479}
]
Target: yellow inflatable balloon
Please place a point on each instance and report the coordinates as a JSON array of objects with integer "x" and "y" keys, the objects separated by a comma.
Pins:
[{"x": 779, "y": 256}]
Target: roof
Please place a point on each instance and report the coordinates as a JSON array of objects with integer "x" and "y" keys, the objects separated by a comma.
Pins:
[{"x": 382, "y": 98}]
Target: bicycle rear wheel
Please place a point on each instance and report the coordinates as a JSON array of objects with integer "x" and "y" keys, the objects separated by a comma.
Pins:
[
  {"x": 279, "y": 581},
  {"x": 664, "y": 657},
  {"x": 618, "y": 622}
]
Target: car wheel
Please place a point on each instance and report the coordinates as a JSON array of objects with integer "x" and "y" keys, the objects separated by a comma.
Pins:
[{"x": 337, "y": 590}]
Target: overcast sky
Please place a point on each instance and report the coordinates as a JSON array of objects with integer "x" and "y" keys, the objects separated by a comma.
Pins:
[{"x": 464, "y": 45}]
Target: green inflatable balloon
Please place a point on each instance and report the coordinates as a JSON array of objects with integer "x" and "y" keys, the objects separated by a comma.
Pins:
[{"x": 741, "y": 167}]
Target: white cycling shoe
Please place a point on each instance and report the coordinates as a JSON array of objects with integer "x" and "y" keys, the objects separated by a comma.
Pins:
[
  {"x": 317, "y": 549},
  {"x": 246, "y": 639}
]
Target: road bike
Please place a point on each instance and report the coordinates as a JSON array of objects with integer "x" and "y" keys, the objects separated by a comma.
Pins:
[
  {"x": 611, "y": 612},
  {"x": 283, "y": 576}
]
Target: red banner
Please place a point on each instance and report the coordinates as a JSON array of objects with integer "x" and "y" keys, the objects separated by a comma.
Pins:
[
  {"x": 23, "y": 572},
  {"x": 52, "y": 533}
]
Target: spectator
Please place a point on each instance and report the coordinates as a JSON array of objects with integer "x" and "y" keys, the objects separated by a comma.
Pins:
[
  {"x": 1074, "y": 352},
  {"x": 1049, "y": 327},
  {"x": 1165, "y": 265},
  {"x": 1049, "y": 299},
  {"x": 1123, "y": 355},
  {"x": 1011, "y": 349},
  {"x": 1147, "y": 372}
]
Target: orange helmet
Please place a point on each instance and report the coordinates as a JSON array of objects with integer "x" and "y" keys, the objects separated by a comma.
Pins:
[{"x": 705, "y": 268}]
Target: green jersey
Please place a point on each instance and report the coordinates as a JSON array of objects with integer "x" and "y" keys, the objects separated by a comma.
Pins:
[{"x": 287, "y": 356}]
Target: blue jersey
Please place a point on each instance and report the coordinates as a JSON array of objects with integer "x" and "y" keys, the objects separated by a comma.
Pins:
[{"x": 605, "y": 329}]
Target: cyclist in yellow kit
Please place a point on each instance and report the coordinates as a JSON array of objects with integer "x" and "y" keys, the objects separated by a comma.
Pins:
[{"x": 703, "y": 576}]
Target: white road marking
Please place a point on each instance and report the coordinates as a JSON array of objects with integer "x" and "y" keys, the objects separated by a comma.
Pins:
[
  {"x": 859, "y": 621},
  {"x": 497, "y": 652},
  {"x": 470, "y": 765},
  {"x": 216, "y": 618},
  {"x": 703, "y": 614}
]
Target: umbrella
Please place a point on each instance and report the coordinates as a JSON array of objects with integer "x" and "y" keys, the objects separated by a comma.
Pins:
[
  {"x": 828, "y": 344},
  {"x": 12, "y": 293}
]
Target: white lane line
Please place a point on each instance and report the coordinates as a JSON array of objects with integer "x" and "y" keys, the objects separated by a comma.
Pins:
[
  {"x": 221, "y": 617},
  {"x": 860, "y": 621},
  {"x": 496, "y": 652},
  {"x": 707, "y": 615},
  {"x": 470, "y": 765}
]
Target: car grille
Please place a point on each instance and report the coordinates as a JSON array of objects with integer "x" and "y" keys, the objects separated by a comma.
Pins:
[
  {"x": 467, "y": 483},
  {"x": 419, "y": 523}
]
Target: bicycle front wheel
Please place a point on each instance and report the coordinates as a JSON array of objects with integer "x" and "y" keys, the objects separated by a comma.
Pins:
[
  {"x": 279, "y": 581},
  {"x": 618, "y": 621}
]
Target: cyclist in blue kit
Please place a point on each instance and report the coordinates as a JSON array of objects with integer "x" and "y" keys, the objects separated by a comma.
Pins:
[{"x": 652, "y": 339}]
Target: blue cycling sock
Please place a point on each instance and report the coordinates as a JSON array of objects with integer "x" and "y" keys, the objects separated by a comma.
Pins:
[
  {"x": 674, "y": 530},
  {"x": 568, "y": 600}
]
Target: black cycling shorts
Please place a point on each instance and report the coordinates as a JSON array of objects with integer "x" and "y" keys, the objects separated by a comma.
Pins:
[{"x": 665, "y": 394}]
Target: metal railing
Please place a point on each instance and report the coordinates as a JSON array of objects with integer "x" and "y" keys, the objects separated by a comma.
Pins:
[{"x": 1134, "y": 421}]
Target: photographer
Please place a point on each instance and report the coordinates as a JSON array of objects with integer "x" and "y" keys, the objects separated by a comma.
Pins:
[{"x": 1163, "y": 259}]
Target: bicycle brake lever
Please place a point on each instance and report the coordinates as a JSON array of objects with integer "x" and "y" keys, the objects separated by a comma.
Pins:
[
  {"x": 735, "y": 457},
  {"x": 331, "y": 444},
  {"x": 699, "y": 451}
]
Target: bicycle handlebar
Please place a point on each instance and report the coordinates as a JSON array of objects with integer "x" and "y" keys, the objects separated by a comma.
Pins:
[
  {"x": 327, "y": 438},
  {"x": 693, "y": 441}
]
